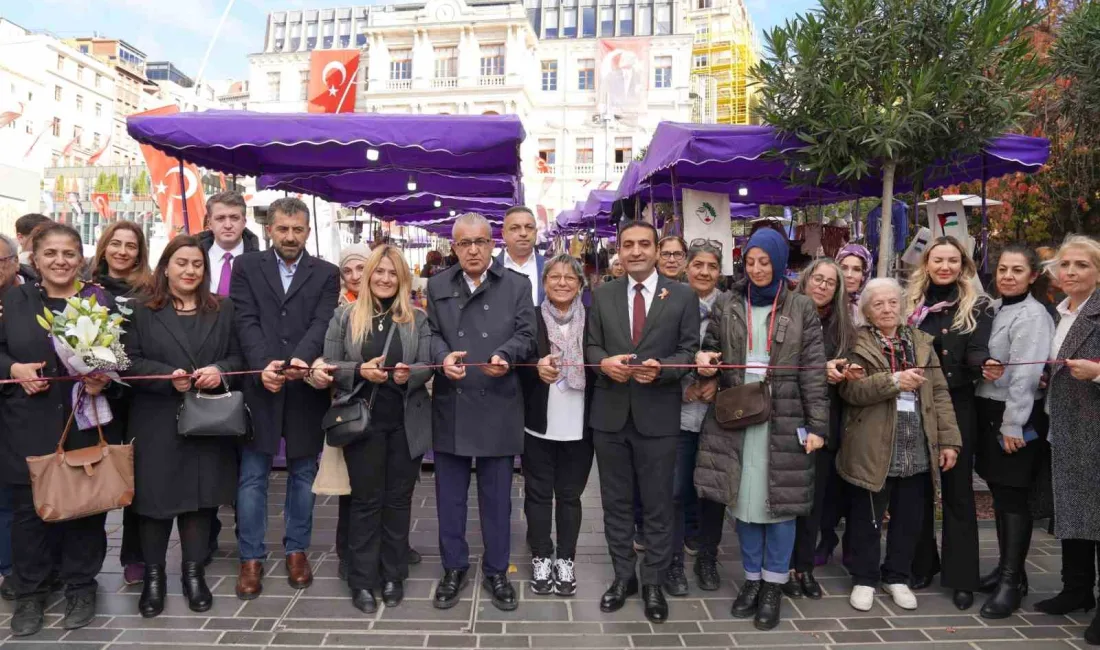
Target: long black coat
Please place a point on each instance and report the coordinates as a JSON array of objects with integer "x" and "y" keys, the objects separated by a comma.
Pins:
[
  {"x": 31, "y": 425},
  {"x": 277, "y": 325},
  {"x": 173, "y": 474},
  {"x": 480, "y": 415}
]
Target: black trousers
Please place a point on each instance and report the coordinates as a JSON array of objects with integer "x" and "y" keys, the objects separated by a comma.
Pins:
[
  {"x": 959, "y": 565},
  {"x": 712, "y": 517},
  {"x": 130, "y": 553},
  {"x": 73, "y": 549},
  {"x": 622, "y": 455},
  {"x": 904, "y": 497},
  {"x": 1079, "y": 560},
  {"x": 382, "y": 476},
  {"x": 554, "y": 471},
  {"x": 807, "y": 527},
  {"x": 1009, "y": 498},
  {"x": 194, "y": 530}
]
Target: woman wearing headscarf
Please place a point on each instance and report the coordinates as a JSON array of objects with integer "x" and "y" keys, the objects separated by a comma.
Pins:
[
  {"x": 857, "y": 265},
  {"x": 763, "y": 472}
]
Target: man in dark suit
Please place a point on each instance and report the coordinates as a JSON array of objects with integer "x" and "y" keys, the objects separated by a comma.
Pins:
[
  {"x": 637, "y": 325},
  {"x": 479, "y": 312},
  {"x": 283, "y": 299},
  {"x": 520, "y": 235}
]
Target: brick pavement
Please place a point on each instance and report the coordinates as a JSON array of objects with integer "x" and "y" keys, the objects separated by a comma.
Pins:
[{"x": 323, "y": 617}]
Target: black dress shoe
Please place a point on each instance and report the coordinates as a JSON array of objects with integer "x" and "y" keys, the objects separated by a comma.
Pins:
[
  {"x": 153, "y": 591},
  {"x": 810, "y": 587},
  {"x": 706, "y": 573},
  {"x": 656, "y": 607},
  {"x": 193, "y": 579},
  {"x": 79, "y": 611},
  {"x": 7, "y": 588},
  {"x": 745, "y": 604},
  {"x": 504, "y": 595},
  {"x": 364, "y": 601},
  {"x": 676, "y": 582},
  {"x": 28, "y": 617},
  {"x": 920, "y": 582},
  {"x": 446, "y": 594},
  {"x": 767, "y": 611},
  {"x": 963, "y": 599},
  {"x": 1067, "y": 601},
  {"x": 792, "y": 588},
  {"x": 414, "y": 556},
  {"x": 393, "y": 592},
  {"x": 615, "y": 597}
]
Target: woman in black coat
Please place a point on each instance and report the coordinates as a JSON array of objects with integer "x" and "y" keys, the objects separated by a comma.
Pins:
[
  {"x": 121, "y": 266},
  {"x": 181, "y": 330},
  {"x": 944, "y": 301},
  {"x": 33, "y": 415}
]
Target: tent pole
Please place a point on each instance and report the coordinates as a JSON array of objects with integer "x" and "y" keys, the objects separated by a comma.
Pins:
[
  {"x": 985, "y": 223},
  {"x": 183, "y": 199},
  {"x": 316, "y": 229}
]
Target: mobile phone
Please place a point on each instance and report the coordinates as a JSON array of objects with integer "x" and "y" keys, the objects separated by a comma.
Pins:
[{"x": 803, "y": 435}]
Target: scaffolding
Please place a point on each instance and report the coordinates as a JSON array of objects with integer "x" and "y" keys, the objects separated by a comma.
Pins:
[{"x": 723, "y": 52}]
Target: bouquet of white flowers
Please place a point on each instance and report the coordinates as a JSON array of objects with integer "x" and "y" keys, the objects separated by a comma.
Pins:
[{"x": 87, "y": 339}]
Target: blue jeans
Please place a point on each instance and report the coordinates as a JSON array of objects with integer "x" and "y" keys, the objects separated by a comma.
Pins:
[
  {"x": 5, "y": 529},
  {"x": 766, "y": 549},
  {"x": 252, "y": 504},
  {"x": 685, "y": 502}
]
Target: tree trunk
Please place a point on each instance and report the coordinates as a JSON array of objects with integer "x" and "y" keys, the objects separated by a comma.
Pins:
[{"x": 886, "y": 225}]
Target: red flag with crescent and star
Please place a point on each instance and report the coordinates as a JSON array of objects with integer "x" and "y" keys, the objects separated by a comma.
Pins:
[
  {"x": 94, "y": 158},
  {"x": 102, "y": 204},
  {"x": 332, "y": 81},
  {"x": 173, "y": 184}
]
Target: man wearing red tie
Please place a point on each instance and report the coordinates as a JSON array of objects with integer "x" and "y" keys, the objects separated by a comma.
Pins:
[
  {"x": 643, "y": 330},
  {"x": 225, "y": 237}
]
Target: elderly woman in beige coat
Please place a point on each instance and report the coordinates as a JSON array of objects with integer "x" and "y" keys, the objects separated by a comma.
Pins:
[{"x": 899, "y": 427}]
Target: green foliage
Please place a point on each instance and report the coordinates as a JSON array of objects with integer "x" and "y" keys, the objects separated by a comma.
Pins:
[
  {"x": 640, "y": 156},
  {"x": 141, "y": 184}
]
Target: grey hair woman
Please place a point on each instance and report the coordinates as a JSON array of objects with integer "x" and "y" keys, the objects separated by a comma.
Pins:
[{"x": 558, "y": 450}]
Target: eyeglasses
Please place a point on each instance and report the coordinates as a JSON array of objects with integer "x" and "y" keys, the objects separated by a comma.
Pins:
[
  {"x": 672, "y": 255},
  {"x": 567, "y": 278},
  {"x": 822, "y": 281},
  {"x": 706, "y": 242},
  {"x": 465, "y": 244}
]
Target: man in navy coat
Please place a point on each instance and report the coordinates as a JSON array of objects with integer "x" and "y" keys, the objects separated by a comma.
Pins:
[
  {"x": 283, "y": 299},
  {"x": 479, "y": 312}
]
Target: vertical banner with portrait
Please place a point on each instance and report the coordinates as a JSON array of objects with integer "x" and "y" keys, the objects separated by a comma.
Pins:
[{"x": 622, "y": 79}]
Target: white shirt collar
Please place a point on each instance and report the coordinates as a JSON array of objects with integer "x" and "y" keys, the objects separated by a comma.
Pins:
[
  {"x": 236, "y": 250},
  {"x": 470, "y": 282},
  {"x": 1064, "y": 310},
  {"x": 512, "y": 264},
  {"x": 649, "y": 285}
]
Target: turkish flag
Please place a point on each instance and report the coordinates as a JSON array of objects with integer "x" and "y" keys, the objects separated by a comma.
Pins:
[
  {"x": 102, "y": 203},
  {"x": 172, "y": 184},
  {"x": 332, "y": 81},
  {"x": 94, "y": 158}
]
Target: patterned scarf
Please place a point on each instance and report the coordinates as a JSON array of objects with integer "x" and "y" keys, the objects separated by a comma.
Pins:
[
  {"x": 570, "y": 345},
  {"x": 901, "y": 348}
]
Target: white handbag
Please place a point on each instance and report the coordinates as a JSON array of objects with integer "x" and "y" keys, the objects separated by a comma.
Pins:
[{"x": 332, "y": 473}]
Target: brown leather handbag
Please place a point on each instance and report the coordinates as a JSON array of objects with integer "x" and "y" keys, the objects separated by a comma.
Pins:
[
  {"x": 78, "y": 483},
  {"x": 739, "y": 407}
]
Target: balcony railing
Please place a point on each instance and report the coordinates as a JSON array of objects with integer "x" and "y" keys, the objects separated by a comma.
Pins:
[
  {"x": 399, "y": 84},
  {"x": 445, "y": 82},
  {"x": 491, "y": 80},
  {"x": 583, "y": 169},
  {"x": 618, "y": 168}
]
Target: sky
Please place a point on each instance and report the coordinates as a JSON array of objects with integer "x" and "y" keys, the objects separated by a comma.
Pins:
[{"x": 180, "y": 30}]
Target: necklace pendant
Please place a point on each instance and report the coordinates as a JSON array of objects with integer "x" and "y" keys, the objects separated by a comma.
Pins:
[{"x": 380, "y": 326}]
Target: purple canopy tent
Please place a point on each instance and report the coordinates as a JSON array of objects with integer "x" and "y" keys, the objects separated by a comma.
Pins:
[
  {"x": 422, "y": 205},
  {"x": 359, "y": 185}
]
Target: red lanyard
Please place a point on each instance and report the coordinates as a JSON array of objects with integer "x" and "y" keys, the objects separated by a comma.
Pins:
[
  {"x": 771, "y": 324},
  {"x": 893, "y": 366}
]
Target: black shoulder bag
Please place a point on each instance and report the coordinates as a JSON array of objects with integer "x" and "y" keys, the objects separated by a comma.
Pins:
[
  {"x": 213, "y": 415},
  {"x": 347, "y": 420}
]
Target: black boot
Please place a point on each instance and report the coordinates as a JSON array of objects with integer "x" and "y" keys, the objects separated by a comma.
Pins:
[
  {"x": 1014, "y": 545},
  {"x": 28, "y": 617},
  {"x": 1078, "y": 579},
  {"x": 153, "y": 591},
  {"x": 1092, "y": 632},
  {"x": 989, "y": 581},
  {"x": 767, "y": 612},
  {"x": 195, "y": 590},
  {"x": 747, "y": 599}
]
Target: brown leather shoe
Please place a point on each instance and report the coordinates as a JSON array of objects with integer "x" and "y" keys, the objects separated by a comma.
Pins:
[
  {"x": 298, "y": 573},
  {"x": 250, "y": 580}
]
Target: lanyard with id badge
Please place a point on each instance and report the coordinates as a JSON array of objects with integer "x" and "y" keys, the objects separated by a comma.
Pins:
[{"x": 907, "y": 399}]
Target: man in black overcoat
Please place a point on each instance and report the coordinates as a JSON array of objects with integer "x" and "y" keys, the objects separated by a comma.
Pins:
[
  {"x": 283, "y": 299},
  {"x": 479, "y": 313}
]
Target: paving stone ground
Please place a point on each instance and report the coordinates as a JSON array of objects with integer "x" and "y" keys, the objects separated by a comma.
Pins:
[{"x": 323, "y": 617}]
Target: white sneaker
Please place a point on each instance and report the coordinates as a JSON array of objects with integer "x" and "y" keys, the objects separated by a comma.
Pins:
[
  {"x": 542, "y": 579},
  {"x": 901, "y": 594},
  {"x": 862, "y": 598}
]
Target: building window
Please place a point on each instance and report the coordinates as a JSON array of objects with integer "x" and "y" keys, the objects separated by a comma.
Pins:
[
  {"x": 361, "y": 37},
  {"x": 586, "y": 74},
  {"x": 551, "y": 23},
  {"x": 55, "y": 127},
  {"x": 624, "y": 150},
  {"x": 83, "y": 49},
  {"x": 700, "y": 61},
  {"x": 98, "y": 109},
  {"x": 703, "y": 4},
  {"x": 303, "y": 78},
  {"x": 80, "y": 73},
  {"x": 626, "y": 20},
  {"x": 295, "y": 37},
  {"x": 274, "y": 80},
  {"x": 326, "y": 34},
  {"x": 98, "y": 79},
  {"x": 645, "y": 20},
  {"x": 492, "y": 60},
  {"x": 584, "y": 151},
  {"x": 57, "y": 93},
  {"x": 77, "y": 132},
  {"x": 60, "y": 63},
  {"x": 401, "y": 64},
  {"x": 588, "y": 22},
  {"x": 549, "y": 75},
  {"x": 534, "y": 16},
  {"x": 548, "y": 150},
  {"x": 280, "y": 37},
  {"x": 662, "y": 72},
  {"x": 664, "y": 20},
  {"x": 607, "y": 21},
  {"x": 446, "y": 62},
  {"x": 79, "y": 103},
  {"x": 311, "y": 36},
  {"x": 344, "y": 34},
  {"x": 95, "y": 140},
  {"x": 569, "y": 22}
]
